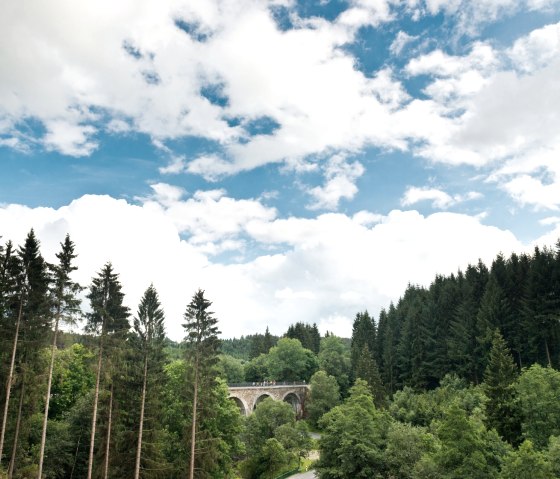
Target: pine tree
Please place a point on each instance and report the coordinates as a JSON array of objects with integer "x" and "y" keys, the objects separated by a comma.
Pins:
[
  {"x": 493, "y": 313},
  {"x": 268, "y": 341},
  {"x": 542, "y": 303},
  {"x": 12, "y": 299},
  {"x": 390, "y": 339},
  {"x": 499, "y": 379},
  {"x": 108, "y": 317},
  {"x": 462, "y": 339},
  {"x": 150, "y": 332},
  {"x": 363, "y": 332},
  {"x": 65, "y": 306},
  {"x": 202, "y": 353},
  {"x": 32, "y": 324},
  {"x": 366, "y": 369}
]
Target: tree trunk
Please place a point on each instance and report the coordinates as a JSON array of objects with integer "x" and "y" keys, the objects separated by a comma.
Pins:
[
  {"x": 107, "y": 446},
  {"x": 47, "y": 398},
  {"x": 141, "y": 427},
  {"x": 76, "y": 455},
  {"x": 16, "y": 433},
  {"x": 10, "y": 379},
  {"x": 95, "y": 400},
  {"x": 547, "y": 353},
  {"x": 193, "y": 427}
]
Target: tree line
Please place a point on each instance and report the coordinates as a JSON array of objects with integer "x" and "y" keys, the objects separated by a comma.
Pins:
[
  {"x": 460, "y": 375},
  {"x": 109, "y": 405}
]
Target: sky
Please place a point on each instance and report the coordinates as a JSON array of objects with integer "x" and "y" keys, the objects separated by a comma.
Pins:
[{"x": 297, "y": 160}]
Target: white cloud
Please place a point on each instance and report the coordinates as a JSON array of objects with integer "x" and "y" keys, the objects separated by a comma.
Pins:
[
  {"x": 538, "y": 49},
  {"x": 212, "y": 221},
  {"x": 483, "y": 108},
  {"x": 400, "y": 42},
  {"x": 551, "y": 220},
  {"x": 328, "y": 268},
  {"x": 471, "y": 15},
  {"x": 70, "y": 139},
  {"x": 341, "y": 177},
  {"x": 440, "y": 199}
]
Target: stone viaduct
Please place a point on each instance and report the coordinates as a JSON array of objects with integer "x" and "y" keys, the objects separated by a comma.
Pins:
[{"x": 248, "y": 395}]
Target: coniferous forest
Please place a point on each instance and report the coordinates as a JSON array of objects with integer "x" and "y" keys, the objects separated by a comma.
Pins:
[{"x": 456, "y": 380}]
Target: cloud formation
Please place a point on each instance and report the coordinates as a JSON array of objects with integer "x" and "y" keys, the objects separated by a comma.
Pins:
[{"x": 328, "y": 268}]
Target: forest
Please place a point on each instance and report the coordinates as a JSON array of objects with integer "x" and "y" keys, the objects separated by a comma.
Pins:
[{"x": 458, "y": 379}]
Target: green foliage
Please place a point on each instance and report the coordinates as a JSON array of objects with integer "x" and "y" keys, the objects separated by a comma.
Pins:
[
  {"x": 526, "y": 463},
  {"x": 176, "y": 410},
  {"x": 256, "y": 370},
  {"x": 499, "y": 377},
  {"x": 334, "y": 359},
  {"x": 421, "y": 408},
  {"x": 353, "y": 439},
  {"x": 308, "y": 335},
  {"x": 363, "y": 333},
  {"x": 108, "y": 314},
  {"x": 201, "y": 341},
  {"x": 73, "y": 377},
  {"x": 219, "y": 435},
  {"x": 467, "y": 449},
  {"x": 538, "y": 390},
  {"x": 290, "y": 361},
  {"x": 231, "y": 369},
  {"x": 267, "y": 417},
  {"x": 406, "y": 445},
  {"x": 64, "y": 291},
  {"x": 366, "y": 369},
  {"x": 273, "y": 439},
  {"x": 261, "y": 343},
  {"x": 553, "y": 455},
  {"x": 324, "y": 395}
]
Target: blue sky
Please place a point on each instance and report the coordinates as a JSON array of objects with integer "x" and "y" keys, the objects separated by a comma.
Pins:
[{"x": 299, "y": 160}]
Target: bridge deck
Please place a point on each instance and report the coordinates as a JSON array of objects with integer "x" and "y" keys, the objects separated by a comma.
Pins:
[{"x": 268, "y": 385}]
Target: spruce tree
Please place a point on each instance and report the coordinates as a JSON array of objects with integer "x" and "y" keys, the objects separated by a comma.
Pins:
[
  {"x": 268, "y": 341},
  {"x": 12, "y": 290},
  {"x": 108, "y": 318},
  {"x": 499, "y": 378},
  {"x": 32, "y": 323},
  {"x": 149, "y": 330},
  {"x": 366, "y": 369},
  {"x": 202, "y": 354},
  {"x": 363, "y": 332},
  {"x": 66, "y": 307}
]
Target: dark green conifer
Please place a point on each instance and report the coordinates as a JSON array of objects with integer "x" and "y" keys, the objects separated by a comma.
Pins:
[{"x": 499, "y": 378}]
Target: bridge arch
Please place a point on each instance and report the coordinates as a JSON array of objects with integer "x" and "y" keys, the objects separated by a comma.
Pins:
[
  {"x": 293, "y": 400},
  {"x": 241, "y": 405},
  {"x": 261, "y": 398}
]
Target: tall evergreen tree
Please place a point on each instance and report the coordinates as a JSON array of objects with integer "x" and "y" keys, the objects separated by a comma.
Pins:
[
  {"x": 108, "y": 319},
  {"x": 150, "y": 334},
  {"x": 462, "y": 339},
  {"x": 66, "y": 307},
  {"x": 32, "y": 324},
  {"x": 363, "y": 332},
  {"x": 542, "y": 303},
  {"x": 390, "y": 327},
  {"x": 268, "y": 341},
  {"x": 517, "y": 268},
  {"x": 12, "y": 290},
  {"x": 499, "y": 379},
  {"x": 493, "y": 313},
  {"x": 367, "y": 369},
  {"x": 202, "y": 353},
  {"x": 307, "y": 335}
]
